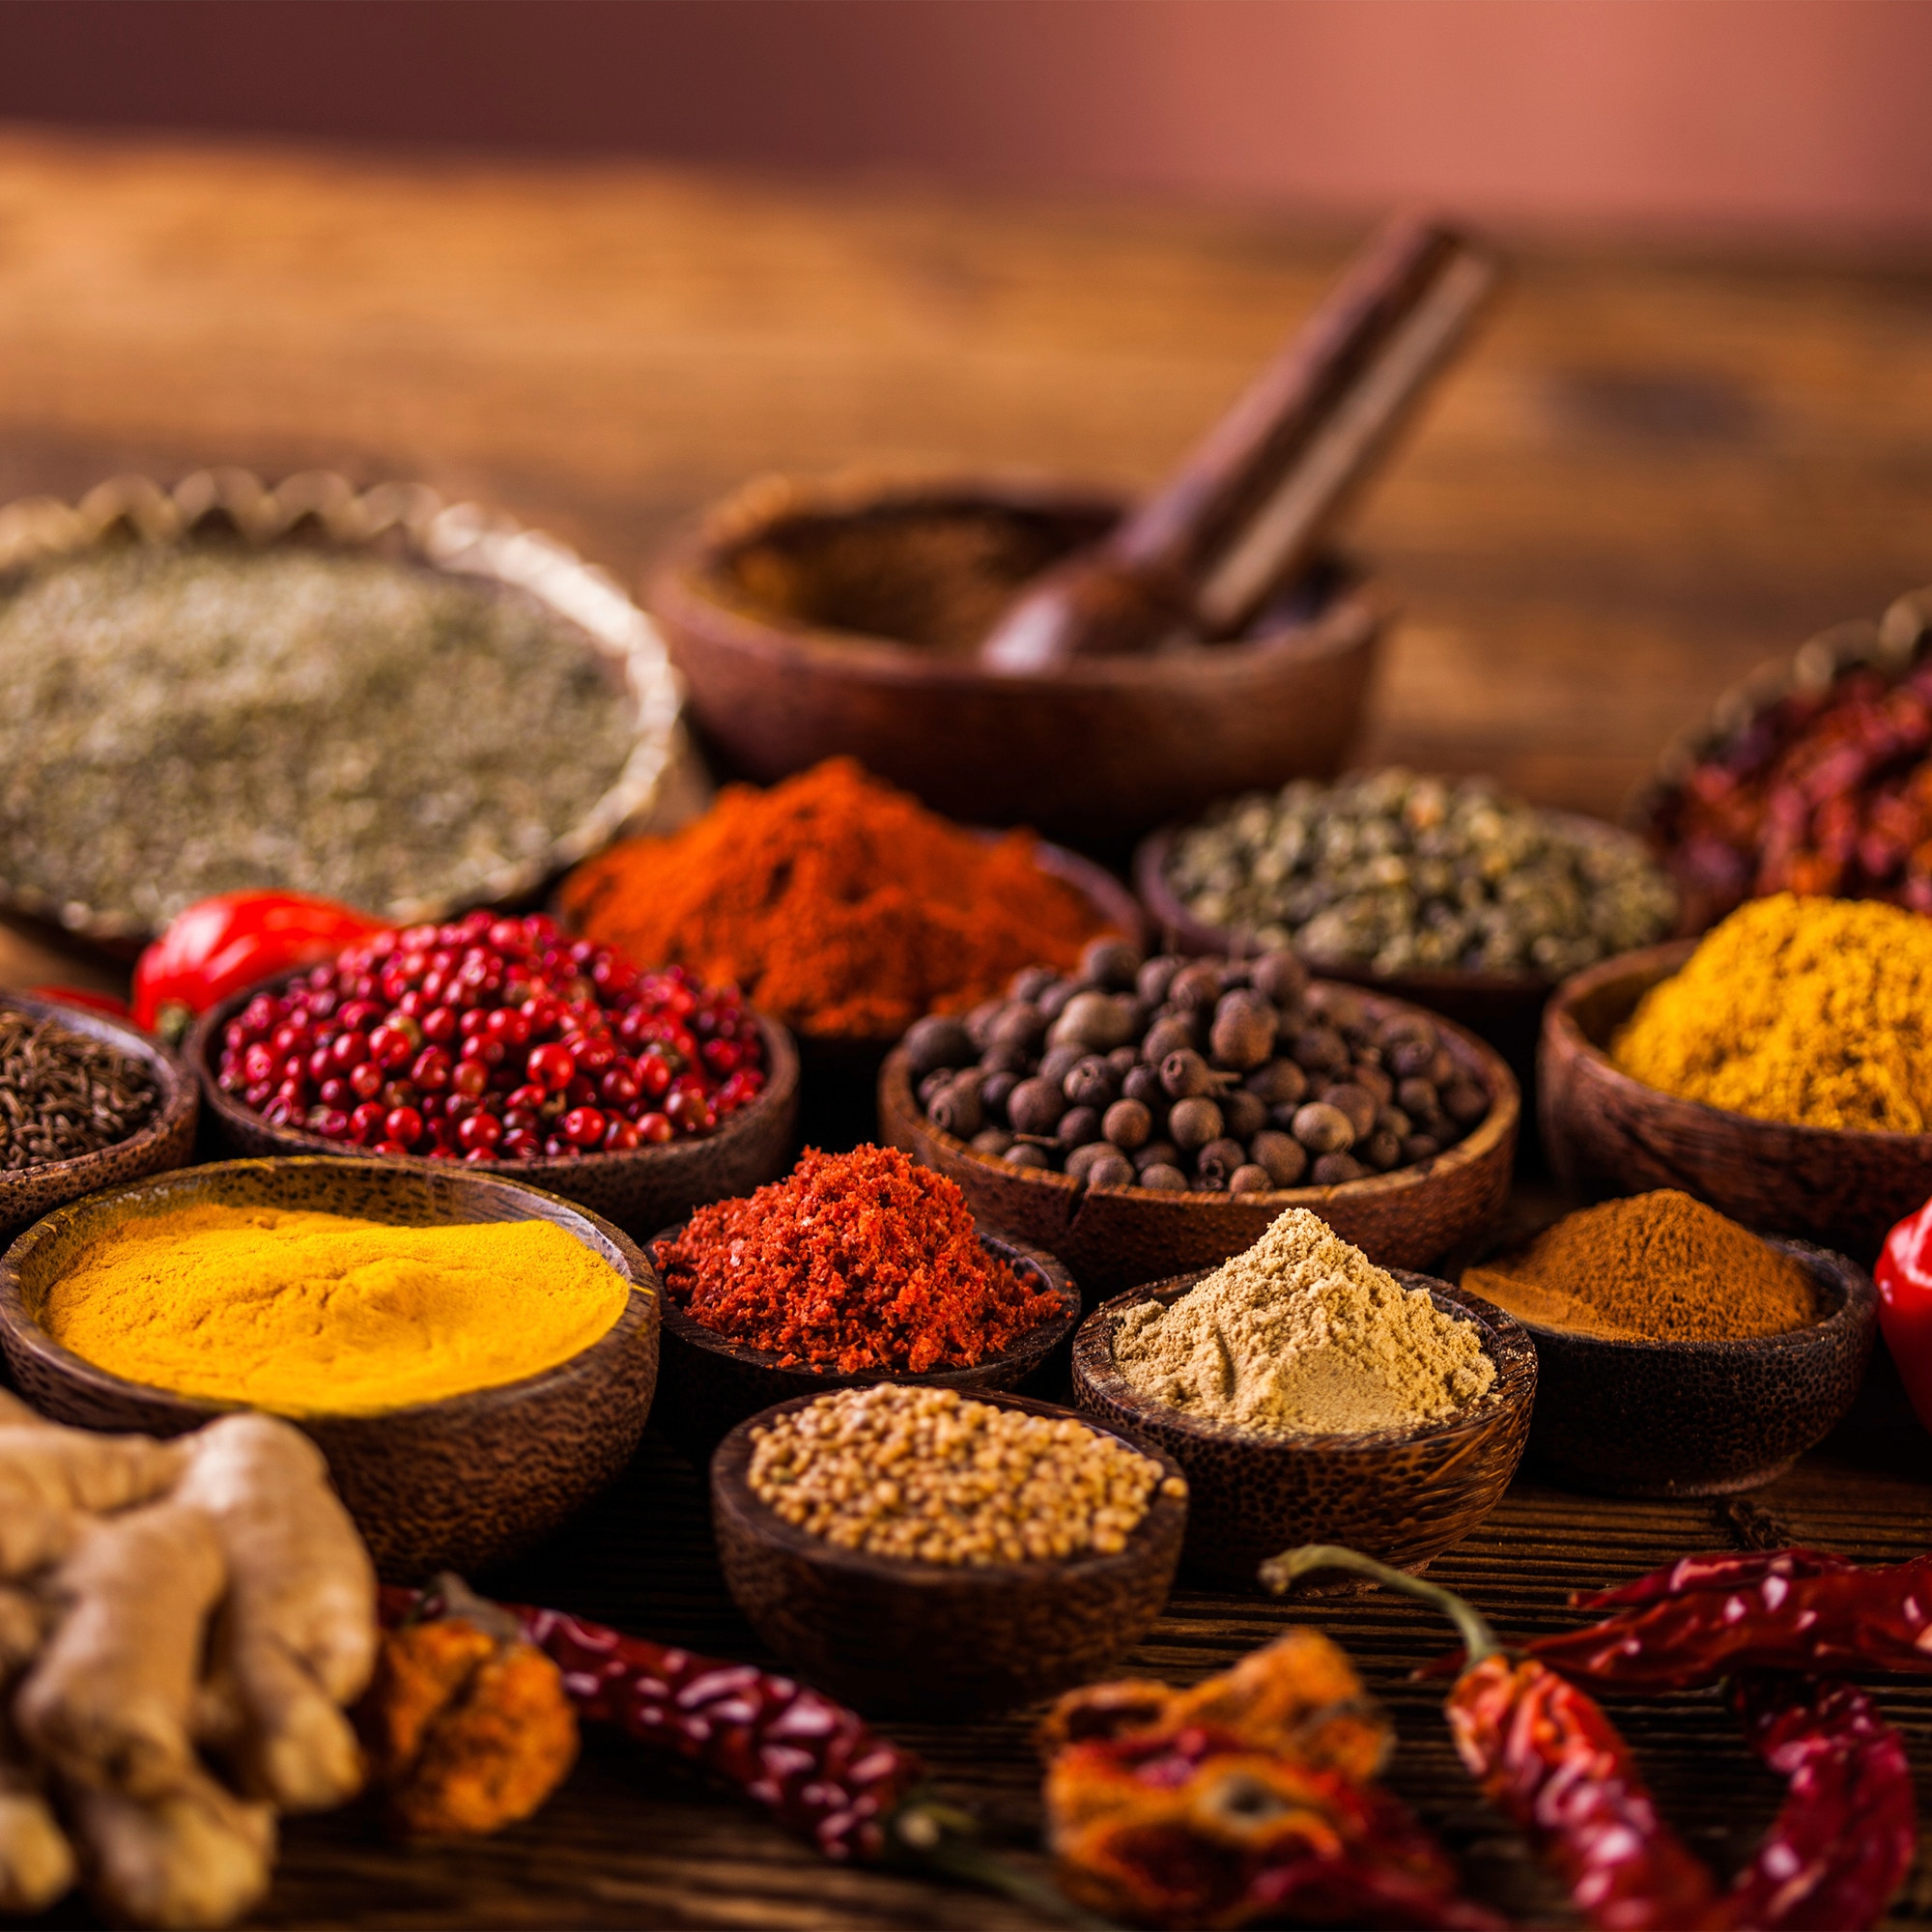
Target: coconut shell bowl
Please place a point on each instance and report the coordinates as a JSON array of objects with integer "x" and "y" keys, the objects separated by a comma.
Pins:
[
  {"x": 1606, "y": 1133},
  {"x": 640, "y": 1190},
  {"x": 1403, "y": 1496},
  {"x": 1111, "y": 1239},
  {"x": 458, "y": 1483},
  {"x": 930, "y": 1639},
  {"x": 166, "y": 1141},
  {"x": 811, "y": 618},
  {"x": 1702, "y": 1418},
  {"x": 712, "y": 1384}
]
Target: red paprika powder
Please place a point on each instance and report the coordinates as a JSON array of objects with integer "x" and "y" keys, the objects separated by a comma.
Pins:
[{"x": 853, "y": 1262}]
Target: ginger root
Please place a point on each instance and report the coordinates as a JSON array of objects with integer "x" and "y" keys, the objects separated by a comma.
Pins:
[
  {"x": 297, "y": 1638},
  {"x": 156, "y": 1598}
]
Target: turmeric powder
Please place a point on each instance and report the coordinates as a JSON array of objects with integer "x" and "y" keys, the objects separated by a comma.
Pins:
[
  {"x": 1816, "y": 1011},
  {"x": 838, "y": 904},
  {"x": 303, "y": 1313}
]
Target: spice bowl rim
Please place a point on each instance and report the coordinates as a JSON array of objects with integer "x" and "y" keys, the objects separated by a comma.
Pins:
[
  {"x": 20, "y": 1326},
  {"x": 1857, "y": 1302},
  {"x": 1661, "y": 963},
  {"x": 234, "y": 1118},
  {"x": 457, "y": 540},
  {"x": 730, "y": 1462},
  {"x": 1514, "y": 1388},
  {"x": 1194, "y": 936},
  {"x": 177, "y": 1103},
  {"x": 1034, "y": 1346}
]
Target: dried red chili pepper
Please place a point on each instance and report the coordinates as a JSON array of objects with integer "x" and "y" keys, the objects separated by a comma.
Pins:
[
  {"x": 1704, "y": 1617},
  {"x": 818, "y": 1769},
  {"x": 79, "y": 996},
  {"x": 1844, "y": 1840},
  {"x": 1547, "y": 1757}
]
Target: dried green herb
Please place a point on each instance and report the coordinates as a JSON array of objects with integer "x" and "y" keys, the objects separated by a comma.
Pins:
[
  {"x": 64, "y": 1093},
  {"x": 182, "y": 722}
]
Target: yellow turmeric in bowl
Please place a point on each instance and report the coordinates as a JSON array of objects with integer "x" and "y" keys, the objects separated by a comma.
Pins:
[{"x": 307, "y": 1312}]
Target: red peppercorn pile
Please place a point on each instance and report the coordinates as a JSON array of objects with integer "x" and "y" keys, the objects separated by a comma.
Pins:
[
  {"x": 853, "y": 1262},
  {"x": 492, "y": 1040}
]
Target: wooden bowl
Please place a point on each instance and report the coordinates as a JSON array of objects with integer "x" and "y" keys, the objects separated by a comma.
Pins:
[
  {"x": 1702, "y": 1418},
  {"x": 1403, "y": 1496},
  {"x": 166, "y": 1141},
  {"x": 458, "y": 1483},
  {"x": 640, "y": 1190},
  {"x": 933, "y": 1639},
  {"x": 711, "y": 1382},
  {"x": 782, "y": 607},
  {"x": 1504, "y": 1009},
  {"x": 1113, "y": 1238},
  {"x": 1606, "y": 1133}
]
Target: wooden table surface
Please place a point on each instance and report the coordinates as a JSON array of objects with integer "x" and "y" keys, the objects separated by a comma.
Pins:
[{"x": 1652, "y": 474}]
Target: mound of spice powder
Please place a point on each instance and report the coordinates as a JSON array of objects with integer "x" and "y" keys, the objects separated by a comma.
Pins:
[
  {"x": 838, "y": 903},
  {"x": 853, "y": 1262}
]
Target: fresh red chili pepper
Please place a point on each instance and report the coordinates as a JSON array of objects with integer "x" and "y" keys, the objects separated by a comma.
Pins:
[
  {"x": 820, "y": 1770},
  {"x": 219, "y": 945},
  {"x": 1904, "y": 1277},
  {"x": 74, "y": 996},
  {"x": 1547, "y": 1757},
  {"x": 1789, "y": 1609},
  {"x": 1844, "y": 1840}
]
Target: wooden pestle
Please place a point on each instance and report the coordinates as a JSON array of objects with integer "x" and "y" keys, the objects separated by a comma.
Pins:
[{"x": 1257, "y": 495}]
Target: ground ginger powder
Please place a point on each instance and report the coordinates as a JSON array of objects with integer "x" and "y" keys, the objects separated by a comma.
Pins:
[
  {"x": 1812, "y": 1010},
  {"x": 1304, "y": 1335},
  {"x": 307, "y": 1312}
]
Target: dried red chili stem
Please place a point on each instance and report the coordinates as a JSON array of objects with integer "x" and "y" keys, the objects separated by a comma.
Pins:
[
  {"x": 1845, "y": 1837},
  {"x": 817, "y": 1768},
  {"x": 1745, "y": 1613},
  {"x": 1548, "y": 1758}
]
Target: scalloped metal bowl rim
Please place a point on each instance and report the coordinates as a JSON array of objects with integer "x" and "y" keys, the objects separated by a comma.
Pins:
[
  {"x": 455, "y": 539},
  {"x": 1473, "y": 1423},
  {"x": 781, "y": 1053},
  {"x": 725, "y": 1349},
  {"x": 78, "y": 1368},
  {"x": 985, "y": 1575}
]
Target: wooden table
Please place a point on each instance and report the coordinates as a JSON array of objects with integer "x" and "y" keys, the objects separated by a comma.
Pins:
[{"x": 1653, "y": 473}]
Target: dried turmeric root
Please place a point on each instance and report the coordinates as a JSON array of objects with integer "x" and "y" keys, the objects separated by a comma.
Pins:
[
  {"x": 468, "y": 1727},
  {"x": 297, "y": 1638},
  {"x": 193, "y": 1856}
]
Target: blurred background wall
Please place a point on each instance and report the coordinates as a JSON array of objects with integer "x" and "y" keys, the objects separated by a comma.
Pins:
[{"x": 1782, "y": 118}]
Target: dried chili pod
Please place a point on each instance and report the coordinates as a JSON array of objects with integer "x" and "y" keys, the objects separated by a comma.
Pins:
[
  {"x": 1842, "y": 1843},
  {"x": 1775, "y": 1611},
  {"x": 467, "y": 1725},
  {"x": 1723, "y": 1570},
  {"x": 1547, "y": 1757}
]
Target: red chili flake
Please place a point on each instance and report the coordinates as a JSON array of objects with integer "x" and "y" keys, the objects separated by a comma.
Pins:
[{"x": 853, "y": 1261}]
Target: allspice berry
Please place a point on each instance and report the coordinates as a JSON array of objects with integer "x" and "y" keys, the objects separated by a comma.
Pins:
[
  {"x": 1193, "y": 1122},
  {"x": 1184, "y": 1075},
  {"x": 1321, "y": 1128},
  {"x": 1165, "y": 1180},
  {"x": 1245, "y": 1115},
  {"x": 958, "y": 1109},
  {"x": 1110, "y": 962},
  {"x": 992, "y": 1140},
  {"x": 1420, "y": 1146},
  {"x": 1030, "y": 982},
  {"x": 1023, "y": 1154},
  {"x": 1058, "y": 1062},
  {"x": 1127, "y": 1124},
  {"x": 1278, "y": 1083},
  {"x": 1381, "y": 1150},
  {"x": 1280, "y": 976},
  {"x": 1092, "y": 1084},
  {"x": 936, "y": 1042},
  {"x": 1096, "y": 1022},
  {"x": 995, "y": 1090},
  {"x": 1280, "y": 1156},
  {"x": 1036, "y": 1106},
  {"x": 1110, "y": 1169},
  {"x": 1332, "y": 1168},
  {"x": 1143, "y": 1084},
  {"x": 1018, "y": 1023},
  {"x": 1220, "y": 1159},
  {"x": 1320, "y": 1049},
  {"x": 1242, "y": 1036},
  {"x": 1174, "y": 1035},
  {"x": 1154, "y": 978},
  {"x": 1356, "y": 1102},
  {"x": 1077, "y": 1127},
  {"x": 1157, "y": 1154},
  {"x": 1197, "y": 985},
  {"x": 1465, "y": 1102},
  {"x": 1249, "y": 1180}
]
